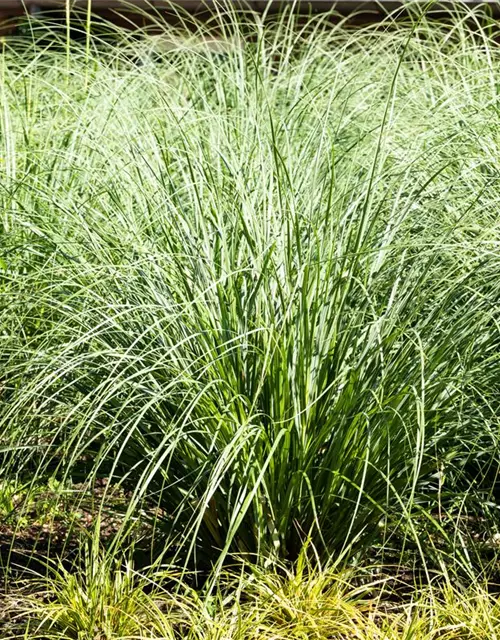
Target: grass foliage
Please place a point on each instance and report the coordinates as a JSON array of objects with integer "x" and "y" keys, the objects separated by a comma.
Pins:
[
  {"x": 252, "y": 276},
  {"x": 109, "y": 600}
]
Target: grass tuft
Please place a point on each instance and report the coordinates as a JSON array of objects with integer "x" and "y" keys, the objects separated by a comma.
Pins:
[{"x": 256, "y": 284}]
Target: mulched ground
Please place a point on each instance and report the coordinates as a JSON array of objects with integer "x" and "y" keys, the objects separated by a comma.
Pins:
[{"x": 30, "y": 532}]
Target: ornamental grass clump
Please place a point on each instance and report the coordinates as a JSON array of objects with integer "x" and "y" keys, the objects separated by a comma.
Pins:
[{"x": 257, "y": 285}]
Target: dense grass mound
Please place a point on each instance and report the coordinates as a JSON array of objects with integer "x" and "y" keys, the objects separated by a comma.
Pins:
[{"x": 253, "y": 277}]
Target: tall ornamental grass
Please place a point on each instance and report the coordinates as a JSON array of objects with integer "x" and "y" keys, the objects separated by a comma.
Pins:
[{"x": 252, "y": 273}]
